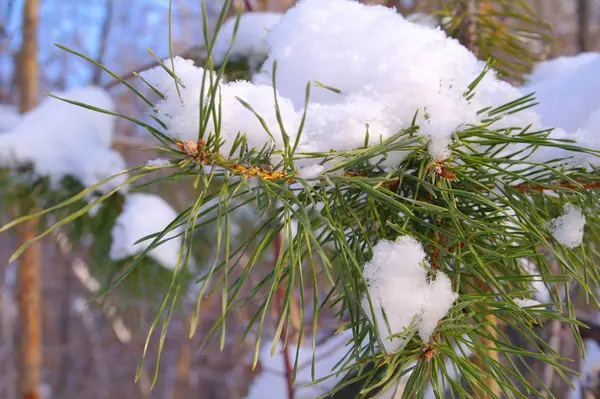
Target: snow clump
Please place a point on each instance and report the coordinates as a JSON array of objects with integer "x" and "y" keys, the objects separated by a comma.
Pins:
[
  {"x": 143, "y": 215},
  {"x": 398, "y": 283},
  {"x": 59, "y": 139},
  {"x": 568, "y": 228}
]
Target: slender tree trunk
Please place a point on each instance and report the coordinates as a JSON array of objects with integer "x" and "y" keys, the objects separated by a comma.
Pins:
[
  {"x": 30, "y": 334},
  {"x": 28, "y": 64},
  {"x": 583, "y": 26},
  {"x": 29, "y": 272}
]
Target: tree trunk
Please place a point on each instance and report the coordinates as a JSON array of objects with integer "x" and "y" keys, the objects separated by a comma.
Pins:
[
  {"x": 583, "y": 28},
  {"x": 28, "y": 64},
  {"x": 30, "y": 334},
  {"x": 29, "y": 272}
]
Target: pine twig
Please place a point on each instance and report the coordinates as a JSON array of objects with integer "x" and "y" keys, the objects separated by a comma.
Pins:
[
  {"x": 532, "y": 187},
  {"x": 289, "y": 370}
]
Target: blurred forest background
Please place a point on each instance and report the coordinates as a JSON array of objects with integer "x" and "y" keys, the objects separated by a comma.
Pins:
[{"x": 93, "y": 351}]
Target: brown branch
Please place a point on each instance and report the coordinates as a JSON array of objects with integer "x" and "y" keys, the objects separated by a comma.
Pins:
[
  {"x": 279, "y": 299},
  {"x": 533, "y": 187},
  {"x": 247, "y": 5},
  {"x": 103, "y": 40},
  {"x": 468, "y": 30}
]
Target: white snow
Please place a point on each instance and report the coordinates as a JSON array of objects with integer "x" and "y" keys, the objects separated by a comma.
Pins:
[
  {"x": 526, "y": 302},
  {"x": 558, "y": 68},
  {"x": 311, "y": 172},
  {"x": 60, "y": 139},
  {"x": 271, "y": 383},
  {"x": 250, "y": 40},
  {"x": 9, "y": 117},
  {"x": 567, "y": 89},
  {"x": 157, "y": 163},
  {"x": 568, "y": 228},
  {"x": 376, "y": 59},
  {"x": 372, "y": 55},
  {"x": 182, "y": 115},
  {"x": 143, "y": 215},
  {"x": 236, "y": 118},
  {"x": 398, "y": 283},
  {"x": 423, "y": 19},
  {"x": 542, "y": 294}
]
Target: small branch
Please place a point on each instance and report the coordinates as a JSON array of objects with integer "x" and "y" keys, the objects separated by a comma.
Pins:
[
  {"x": 247, "y": 5},
  {"x": 468, "y": 30},
  {"x": 279, "y": 299},
  {"x": 533, "y": 187},
  {"x": 131, "y": 141},
  {"x": 103, "y": 40}
]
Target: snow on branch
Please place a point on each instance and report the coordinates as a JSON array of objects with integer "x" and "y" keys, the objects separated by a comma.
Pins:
[
  {"x": 60, "y": 140},
  {"x": 398, "y": 284},
  {"x": 250, "y": 40},
  {"x": 568, "y": 228},
  {"x": 144, "y": 215}
]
